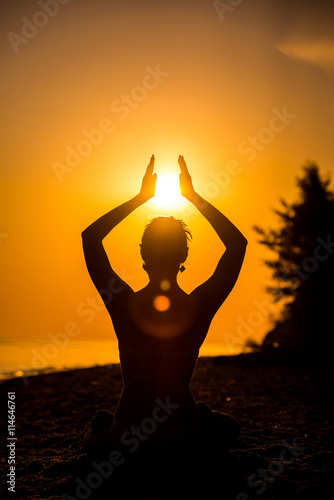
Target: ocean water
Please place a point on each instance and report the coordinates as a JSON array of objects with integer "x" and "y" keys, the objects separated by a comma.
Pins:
[{"x": 25, "y": 358}]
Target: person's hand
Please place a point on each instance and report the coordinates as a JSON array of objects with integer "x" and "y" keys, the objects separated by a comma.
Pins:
[
  {"x": 149, "y": 181},
  {"x": 186, "y": 186}
]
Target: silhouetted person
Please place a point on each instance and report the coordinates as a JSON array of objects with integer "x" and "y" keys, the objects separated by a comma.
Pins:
[{"x": 161, "y": 328}]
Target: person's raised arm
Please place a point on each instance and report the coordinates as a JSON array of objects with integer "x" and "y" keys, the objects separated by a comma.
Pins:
[
  {"x": 218, "y": 287},
  {"x": 100, "y": 271}
]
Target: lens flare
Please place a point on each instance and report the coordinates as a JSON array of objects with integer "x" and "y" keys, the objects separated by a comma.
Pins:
[
  {"x": 161, "y": 303},
  {"x": 165, "y": 285}
]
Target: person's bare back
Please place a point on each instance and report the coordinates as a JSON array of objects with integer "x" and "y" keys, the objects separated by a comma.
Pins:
[{"x": 159, "y": 333}]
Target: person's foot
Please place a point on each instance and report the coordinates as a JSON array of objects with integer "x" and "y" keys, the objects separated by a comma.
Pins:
[
  {"x": 203, "y": 410},
  {"x": 227, "y": 425},
  {"x": 102, "y": 420},
  {"x": 218, "y": 424}
]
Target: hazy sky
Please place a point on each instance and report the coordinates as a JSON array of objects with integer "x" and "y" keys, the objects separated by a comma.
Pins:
[{"x": 91, "y": 89}]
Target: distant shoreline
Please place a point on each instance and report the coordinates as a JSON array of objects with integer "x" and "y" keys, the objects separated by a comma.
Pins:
[{"x": 246, "y": 359}]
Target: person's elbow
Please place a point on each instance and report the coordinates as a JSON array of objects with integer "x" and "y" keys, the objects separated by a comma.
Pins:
[
  {"x": 244, "y": 241},
  {"x": 85, "y": 234},
  {"x": 89, "y": 238},
  {"x": 237, "y": 246},
  {"x": 241, "y": 242},
  {"x": 240, "y": 245}
]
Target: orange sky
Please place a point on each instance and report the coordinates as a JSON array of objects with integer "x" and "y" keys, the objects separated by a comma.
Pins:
[{"x": 246, "y": 97}]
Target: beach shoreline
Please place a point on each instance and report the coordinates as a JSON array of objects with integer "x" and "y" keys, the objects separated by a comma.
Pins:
[{"x": 279, "y": 405}]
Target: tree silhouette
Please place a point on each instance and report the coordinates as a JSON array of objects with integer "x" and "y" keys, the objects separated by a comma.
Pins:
[{"x": 304, "y": 263}]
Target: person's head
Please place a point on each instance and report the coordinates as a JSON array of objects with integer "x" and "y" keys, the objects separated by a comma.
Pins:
[{"x": 164, "y": 244}]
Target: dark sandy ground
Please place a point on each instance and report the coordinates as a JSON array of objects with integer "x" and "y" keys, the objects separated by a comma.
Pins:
[{"x": 279, "y": 405}]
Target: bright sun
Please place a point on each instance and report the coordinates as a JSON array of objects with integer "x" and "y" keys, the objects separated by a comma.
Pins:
[{"x": 167, "y": 192}]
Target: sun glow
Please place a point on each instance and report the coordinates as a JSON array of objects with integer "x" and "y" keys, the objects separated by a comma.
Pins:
[{"x": 167, "y": 192}]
